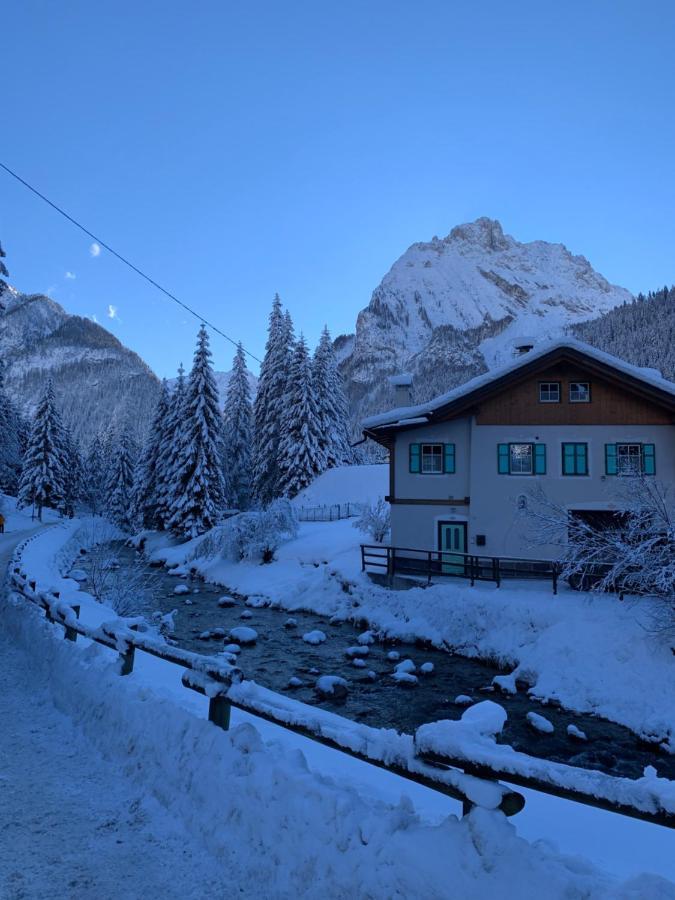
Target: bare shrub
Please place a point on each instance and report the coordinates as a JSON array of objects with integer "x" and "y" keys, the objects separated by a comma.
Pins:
[{"x": 375, "y": 520}]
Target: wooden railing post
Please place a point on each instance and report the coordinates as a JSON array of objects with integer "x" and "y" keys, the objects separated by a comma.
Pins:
[
  {"x": 428, "y": 566},
  {"x": 126, "y": 660},
  {"x": 219, "y": 712},
  {"x": 495, "y": 571},
  {"x": 70, "y": 633}
]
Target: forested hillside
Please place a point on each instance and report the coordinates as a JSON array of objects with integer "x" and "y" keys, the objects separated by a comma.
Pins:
[{"x": 641, "y": 332}]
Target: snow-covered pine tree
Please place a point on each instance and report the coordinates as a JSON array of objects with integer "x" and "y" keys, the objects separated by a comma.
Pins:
[
  {"x": 269, "y": 404},
  {"x": 238, "y": 433},
  {"x": 95, "y": 478},
  {"x": 121, "y": 482},
  {"x": 167, "y": 454},
  {"x": 146, "y": 500},
  {"x": 74, "y": 474},
  {"x": 301, "y": 457},
  {"x": 198, "y": 481},
  {"x": 44, "y": 466},
  {"x": 11, "y": 440},
  {"x": 332, "y": 403}
]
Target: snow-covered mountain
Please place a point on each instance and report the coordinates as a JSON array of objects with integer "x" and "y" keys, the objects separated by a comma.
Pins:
[
  {"x": 97, "y": 380},
  {"x": 452, "y": 307}
]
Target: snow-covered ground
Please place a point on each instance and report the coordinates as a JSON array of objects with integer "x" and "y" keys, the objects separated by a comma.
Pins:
[
  {"x": 277, "y": 816},
  {"x": 346, "y": 484}
]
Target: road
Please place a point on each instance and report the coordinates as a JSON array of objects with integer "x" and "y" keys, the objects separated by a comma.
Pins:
[{"x": 71, "y": 825}]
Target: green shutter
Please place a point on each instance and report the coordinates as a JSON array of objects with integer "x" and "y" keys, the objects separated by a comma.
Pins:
[
  {"x": 610, "y": 459},
  {"x": 648, "y": 459},
  {"x": 414, "y": 458},
  {"x": 503, "y": 459},
  {"x": 540, "y": 459},
  {"x": 449, "y": 459},
  {"x": 582, "y": 460},
  {"x": 568, "y": 459}
]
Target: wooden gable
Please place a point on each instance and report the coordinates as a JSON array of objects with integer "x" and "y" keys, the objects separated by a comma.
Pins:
[{"x": 611, "y": 403}]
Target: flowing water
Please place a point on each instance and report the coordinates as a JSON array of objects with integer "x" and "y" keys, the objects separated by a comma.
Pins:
[{"x": 280, "y": 653}]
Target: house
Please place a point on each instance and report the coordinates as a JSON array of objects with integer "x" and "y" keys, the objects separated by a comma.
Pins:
[{"x": 564, "y": 418}]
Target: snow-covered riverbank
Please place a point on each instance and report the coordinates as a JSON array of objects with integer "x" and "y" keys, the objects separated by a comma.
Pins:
[{"x": 592, "y": 653}]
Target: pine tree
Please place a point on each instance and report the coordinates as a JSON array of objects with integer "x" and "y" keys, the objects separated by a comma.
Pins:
[
  {"x": 11, "y": 440},
  {"x": 198, "y": 482},
  {"x": 44, "y": 467},
  {"x": 146, "y": 498},
  {"x": 270, "y": 403},
  {"x": 121, "y": 482},
  {"x": 332, "y": 404},
  {"x": 74, "y": 474},
  {"x": 301, "y": 457},
  {"x": 167, "y": 453},
  {"x": 94, "y": 490},
  {"x": 238, "y": 421}
]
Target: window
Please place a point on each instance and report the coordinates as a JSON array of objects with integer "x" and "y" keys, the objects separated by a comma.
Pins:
[
  {"x": 521, "y": 459},
  {"x": 630, "y": 459},
  {"x": 549, "y": 392},
  {"x": 432, "y": 459},
  {"x": 580, "y": 392},
  {"x": 575, "y": 459}
]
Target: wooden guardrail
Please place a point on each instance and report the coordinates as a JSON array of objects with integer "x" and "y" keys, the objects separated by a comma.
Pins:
[
  {"x": 224, "y": 686},
  {"x": 472, "y": 567},
  {"x": 474, "y": 782}
]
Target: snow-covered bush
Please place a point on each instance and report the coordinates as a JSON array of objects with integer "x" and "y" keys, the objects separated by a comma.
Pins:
[
  {"x": 375, "y": 520},
  {"x": 253, "y": 536},
  {"x": 636, "y": 555}
]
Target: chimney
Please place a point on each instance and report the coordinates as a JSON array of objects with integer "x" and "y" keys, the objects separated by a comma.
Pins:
[
  {"x": 402, "y": 385},
  {"x": 522, "y": 345}
]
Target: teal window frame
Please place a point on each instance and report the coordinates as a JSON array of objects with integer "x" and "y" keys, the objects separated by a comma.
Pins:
[
  {"x": 647, "y": 458},
  {"x": 578, "y": 458},
  {"x": 447, "y": 457},
  {"x": 537, "y": 455}
]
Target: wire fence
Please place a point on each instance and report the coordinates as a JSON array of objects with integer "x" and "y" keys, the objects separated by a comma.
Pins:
[{"x": 329, "y": 512}]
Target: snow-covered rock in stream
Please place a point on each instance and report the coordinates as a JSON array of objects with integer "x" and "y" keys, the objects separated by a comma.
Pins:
[
  {"x": 333, "y": 686},
  {"x": 405, "y": 678},
  {"x": 242, "y": 634},
  {"x": 246, "y": 614},
  {"x": 539, "y": 723},
  {"x": 576, "y": 733},
  {"x": 358, "y": 663},
  {"x": 407, "y": 667},
  {"x": 291, "y": 622},
  {"x": 352, "y": 652},
  {"x": 295, "y": 682},
  {"x": 463, "y": 700},
  {"x": 314, "y": 637},
  {"x": 393, "y": 655},
  {"x": 232, "y": 648},
  {"x": 427, "y": 668},
  {"x": 181, "y": 589},
  {"x": 226, "y": 601},
  {"x": 367, "y": 637}
]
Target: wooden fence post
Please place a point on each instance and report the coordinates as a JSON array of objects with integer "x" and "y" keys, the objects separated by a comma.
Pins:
[
  {"x": 70, "y": 633},
  {"x": 219, "y": 712},
  {"x": 126, "y": 660}
]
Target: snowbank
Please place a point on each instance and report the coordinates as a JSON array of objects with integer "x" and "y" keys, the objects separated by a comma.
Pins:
[
  {"x": 277, "y": 827},
  {"x": 346, "y": 484}
]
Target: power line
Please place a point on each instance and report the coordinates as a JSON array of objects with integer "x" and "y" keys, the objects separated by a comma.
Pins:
[{"x": 126, "y": 262}]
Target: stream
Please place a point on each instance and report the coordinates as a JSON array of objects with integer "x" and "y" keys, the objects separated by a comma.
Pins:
[{"x": 373, "y": 697}]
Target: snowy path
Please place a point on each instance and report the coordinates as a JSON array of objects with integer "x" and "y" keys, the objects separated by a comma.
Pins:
[{"x": 71, "y": 824}]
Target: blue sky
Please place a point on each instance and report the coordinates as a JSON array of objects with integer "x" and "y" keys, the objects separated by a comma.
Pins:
[{"x": 235, "y": 150}]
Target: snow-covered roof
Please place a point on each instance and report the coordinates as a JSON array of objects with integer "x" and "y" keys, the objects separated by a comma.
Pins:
[
  {"x": 407, "y": 415},
  {"x": 403, "y": 380}
]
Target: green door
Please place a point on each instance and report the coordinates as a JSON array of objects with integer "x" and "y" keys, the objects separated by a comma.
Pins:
[{"x": 452, "y": 544}]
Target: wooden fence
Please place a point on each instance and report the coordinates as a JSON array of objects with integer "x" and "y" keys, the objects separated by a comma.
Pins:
[
  {"x": 463, "y": 779},
  {"x": 472, "y": 567}
]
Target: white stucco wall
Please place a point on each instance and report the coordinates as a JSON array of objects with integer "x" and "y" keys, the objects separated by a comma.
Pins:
[{"x": 493, "y": 508}]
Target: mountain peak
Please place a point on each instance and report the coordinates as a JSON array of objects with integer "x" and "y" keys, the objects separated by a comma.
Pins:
[{"x": 483, "y": 232}]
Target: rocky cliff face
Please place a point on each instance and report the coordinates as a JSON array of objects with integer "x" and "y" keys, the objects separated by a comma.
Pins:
[
  {"x": 450, "y": 308},
  {"x": 97, "y": 380}
]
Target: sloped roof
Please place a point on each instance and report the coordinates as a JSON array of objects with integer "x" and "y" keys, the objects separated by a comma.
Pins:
[{"x": 578, "y": 351}]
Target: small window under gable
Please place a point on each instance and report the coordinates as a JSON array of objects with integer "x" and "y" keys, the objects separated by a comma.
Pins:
[
  {"x": 549, "y": 392},
  {"x": 580, "y": 392}
]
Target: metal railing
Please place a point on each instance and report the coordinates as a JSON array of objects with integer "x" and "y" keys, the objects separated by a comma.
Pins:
[
  {"x": 332, "y": 512},
  {"x": 470, "y": 566},
  {"x": 473, "y": 783}
]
